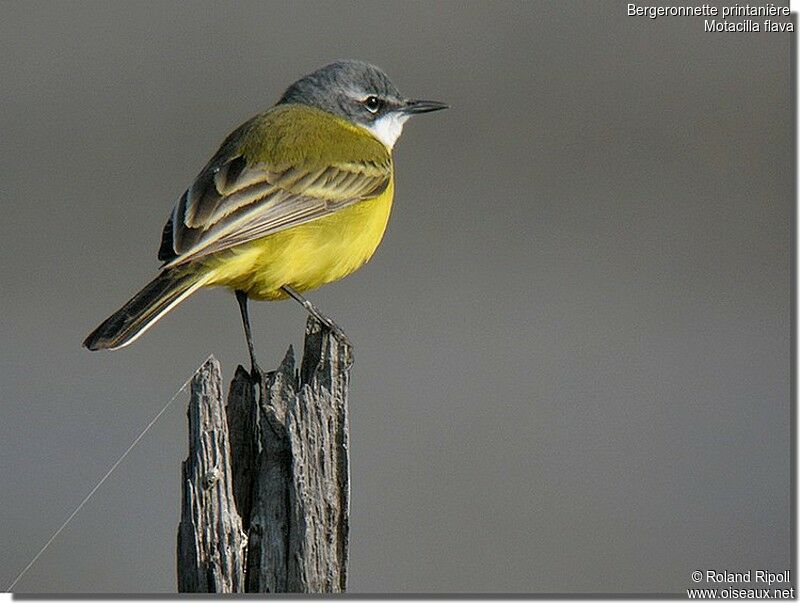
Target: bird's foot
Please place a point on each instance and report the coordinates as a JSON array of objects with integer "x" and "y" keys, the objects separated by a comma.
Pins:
[
  {"x": 335, "y": 330},
  {"x": 343, "y": 340},
  {"x": 259, "y": 379},
  {"x": 339, "y": 334}
]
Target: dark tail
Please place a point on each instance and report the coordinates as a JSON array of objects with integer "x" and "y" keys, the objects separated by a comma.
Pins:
[{"x": 157, "y": 298}]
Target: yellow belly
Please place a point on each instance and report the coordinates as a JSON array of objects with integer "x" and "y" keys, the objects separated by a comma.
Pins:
[{"x": 306, "y": 256}]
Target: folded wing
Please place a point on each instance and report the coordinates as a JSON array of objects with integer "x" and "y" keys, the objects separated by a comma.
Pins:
[{"x": 234, "y": 201}]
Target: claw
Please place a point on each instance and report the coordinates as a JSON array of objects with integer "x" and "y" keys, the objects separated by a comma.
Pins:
[
  {"x": 332, "y": 327},
  {"x": 343, "y": 340},
  {"x": 259, "y": 379}
]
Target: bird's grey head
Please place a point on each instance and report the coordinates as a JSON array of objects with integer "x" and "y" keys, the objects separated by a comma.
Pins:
[{"x": 360, "y": 93}]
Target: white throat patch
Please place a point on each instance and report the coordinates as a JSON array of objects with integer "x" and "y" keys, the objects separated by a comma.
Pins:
[{"x": 388, "y": 128}]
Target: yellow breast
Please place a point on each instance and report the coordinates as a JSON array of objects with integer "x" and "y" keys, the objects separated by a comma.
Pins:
[{"x": 306, "y": 256}]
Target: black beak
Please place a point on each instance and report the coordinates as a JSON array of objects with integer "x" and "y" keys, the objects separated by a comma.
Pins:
[{"x": 413, "y": 107}]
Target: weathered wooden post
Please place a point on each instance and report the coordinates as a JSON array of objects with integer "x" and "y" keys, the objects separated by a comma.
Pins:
[{"x": 266, "y": 491}]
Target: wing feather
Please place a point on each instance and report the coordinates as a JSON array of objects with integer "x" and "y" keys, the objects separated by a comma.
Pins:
[{"x": 232, "y": 205}]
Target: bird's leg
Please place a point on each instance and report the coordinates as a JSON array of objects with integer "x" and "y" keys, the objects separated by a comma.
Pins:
[
  {"x": 312, "y": 309},
  {"x": 255, "y": 370}
]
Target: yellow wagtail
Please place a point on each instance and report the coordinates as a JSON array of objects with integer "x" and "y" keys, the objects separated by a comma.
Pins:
[{"x": 296, "y": 197}]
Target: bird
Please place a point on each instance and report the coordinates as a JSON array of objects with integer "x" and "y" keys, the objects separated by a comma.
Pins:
[{"x": 294, "y": 198}]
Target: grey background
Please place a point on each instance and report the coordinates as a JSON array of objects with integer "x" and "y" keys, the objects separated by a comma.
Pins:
[{"x": 573, "y": 361}]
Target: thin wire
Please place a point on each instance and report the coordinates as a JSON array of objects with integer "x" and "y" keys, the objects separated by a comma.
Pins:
[{"x": 100, "y": 483}]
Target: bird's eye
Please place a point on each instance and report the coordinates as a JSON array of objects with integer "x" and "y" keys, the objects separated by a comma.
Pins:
[{"x": 373, "y": 104}]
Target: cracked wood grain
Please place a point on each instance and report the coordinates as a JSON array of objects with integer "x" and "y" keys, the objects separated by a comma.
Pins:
[
  {"x": 287, "y": 484},
  {"x": 211, "y": 543}
]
